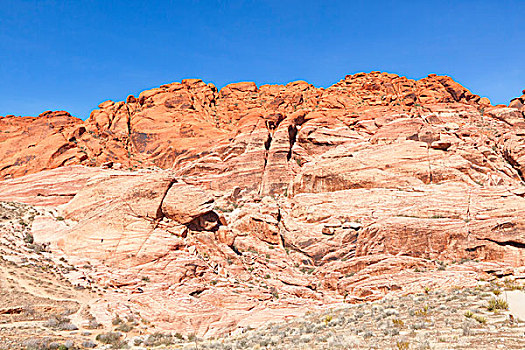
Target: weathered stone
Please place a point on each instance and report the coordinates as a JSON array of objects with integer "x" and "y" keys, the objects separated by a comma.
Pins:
[{"x": 183, "y": 203}]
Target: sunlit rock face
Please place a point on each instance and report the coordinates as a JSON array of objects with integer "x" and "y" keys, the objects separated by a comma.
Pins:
[{"x": 256, "y": 203}]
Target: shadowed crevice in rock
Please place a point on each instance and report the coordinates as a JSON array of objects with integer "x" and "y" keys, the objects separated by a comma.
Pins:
[
  {"x": 292, "y": 136},
  {"x": 514, "y": 164},
  {"x": 160, "y": 214},
  {"x": 267, "y": 145},
  {"x": 190, "y": 206},
  {"x": 505, "y": 243},
  {"x": 235, "y": 250},
  {"x": 128, "y": 121},
  {"x": 206, "y": 222},
  {"x": 197, "y": 292},
  {"x": 268, "y": 142}
]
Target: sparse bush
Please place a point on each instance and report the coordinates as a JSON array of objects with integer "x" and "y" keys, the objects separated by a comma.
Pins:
[
  {"x": 398, "y": 322},
  {"x": 88, "y": 344},
  {"x": 480, "y": 319},
  {"x": 327, "y": 319},
  {"x": 124, "y": 327},
  {"x": 61, "y": 323},
  {"x": 158, "y": 339},
  {"x": 28, "y": 238},
  {"x": 110, "y": 338},
  {"x": 37, "y": 343},
  {"x": 469, "y": 314},
  {"x": 37, "y": 248},
  {"x": 423, "y": 312},
  {"x": 116, "y": 321},
  {"x": 497, "y": 304},
  {"x": 402, "y": 345},
  {"x": 93, "y": 324}
]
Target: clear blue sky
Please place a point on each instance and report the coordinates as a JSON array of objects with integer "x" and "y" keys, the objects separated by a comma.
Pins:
[{"x": 72, "y": 55}]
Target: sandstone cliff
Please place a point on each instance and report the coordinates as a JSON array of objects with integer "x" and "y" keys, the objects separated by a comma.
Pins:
[{"x": 251, "y": 203}]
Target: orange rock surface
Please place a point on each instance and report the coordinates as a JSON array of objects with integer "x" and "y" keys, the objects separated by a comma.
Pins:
[{"x": 253, "y": 203}]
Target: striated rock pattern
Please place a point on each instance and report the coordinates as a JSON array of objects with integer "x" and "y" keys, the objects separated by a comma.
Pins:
[
  {"x": 261, "y": 136},
  {"x": 255, "y": 203}
]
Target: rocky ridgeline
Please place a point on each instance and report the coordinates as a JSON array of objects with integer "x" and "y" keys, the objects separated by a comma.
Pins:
[
  {"x": 206, "y": 212},
  {"x": 260, "y": 135}
]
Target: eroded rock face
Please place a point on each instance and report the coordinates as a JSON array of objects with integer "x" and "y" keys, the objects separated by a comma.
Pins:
[
  {"x": 33, "y": 144},
  {"x": 260, "y": 136},
  {"x": 184, "y": 203},
  {"x": 278, "y": 198}
]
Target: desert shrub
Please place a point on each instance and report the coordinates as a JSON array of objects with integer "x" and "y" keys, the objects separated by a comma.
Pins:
[
  {"x": 37, "y": 248},
  {"x": 368, "y": 334},
  {"x": 423, "y": 312},
  {"x": 28, "y": 238},
  {"x": 398, "y": 322},
  {"x": 68, "y": 326},
  {"x": 54, "y": 345},
  {"x": 124, "y": 327},
  {"x": 93, "y": 324},
  {"x": 402, "y": 345},
  {"x": 47, "y": 344},
  {"x": 497, "y": 304},
  {"x": 61, "y": 323},
  {"x": 158, "y": 339},
  {"x": 88, "y": 344},
  {"x": 116, "y": 320},
  {"x": 480, "y": 319},
  {"x": 37, "y": 343},
  {"x": 327, "y": 319},
  {"x": 109, "y": 338}
]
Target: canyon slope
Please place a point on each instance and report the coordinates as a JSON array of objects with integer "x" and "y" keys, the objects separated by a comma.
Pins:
[{"x": 206, "y": 211}]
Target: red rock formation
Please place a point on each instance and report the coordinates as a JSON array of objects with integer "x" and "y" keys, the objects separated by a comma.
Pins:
[
  {"x": 278, "y": 197},
  {"x": 257, "y": 134},
  {"x": 32, "y": 144}
]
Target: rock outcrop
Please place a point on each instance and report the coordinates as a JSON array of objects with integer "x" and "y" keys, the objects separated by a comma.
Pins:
[
  {"x": 260, "y": 136},
  {"x": 250, "y": 203}
]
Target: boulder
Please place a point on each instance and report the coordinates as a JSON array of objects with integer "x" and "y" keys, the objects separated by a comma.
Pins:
[{"x": 183, "y": 203}]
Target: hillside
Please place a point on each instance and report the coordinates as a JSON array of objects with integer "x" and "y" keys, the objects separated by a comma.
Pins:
[{"x": 203, "y": 212}]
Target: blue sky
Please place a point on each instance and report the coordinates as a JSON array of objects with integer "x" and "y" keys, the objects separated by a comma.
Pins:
[{"x": 72, "y": 55}]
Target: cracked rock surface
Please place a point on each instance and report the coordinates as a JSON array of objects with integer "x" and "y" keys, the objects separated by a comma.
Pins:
[{"x": 203, "y": 212}]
